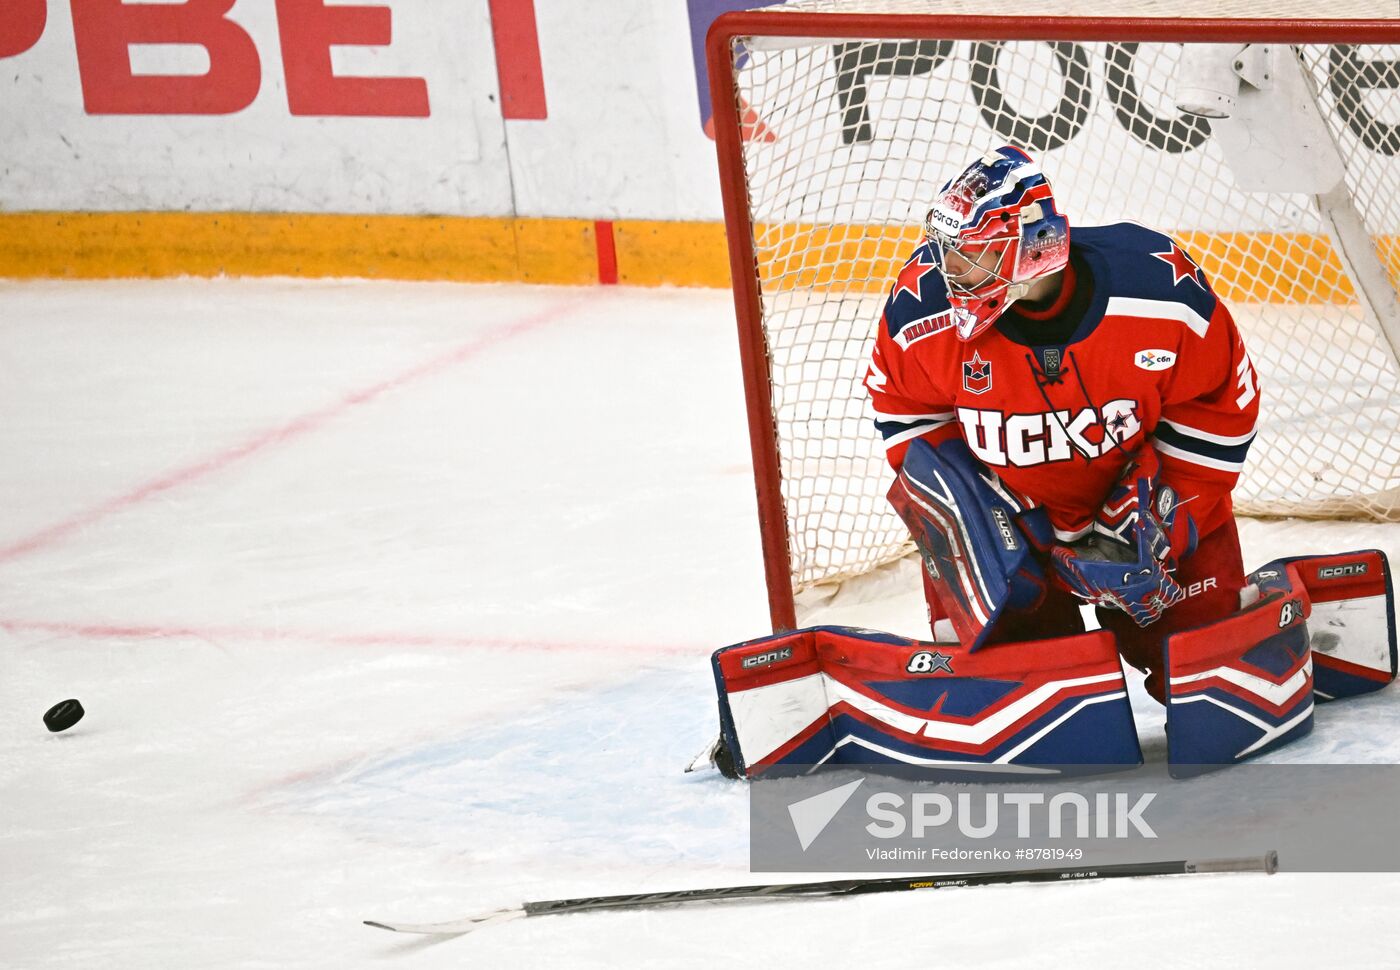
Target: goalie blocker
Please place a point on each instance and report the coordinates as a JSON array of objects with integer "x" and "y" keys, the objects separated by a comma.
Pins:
[
  {"x": 975, "y": 537},
  {"x": 1315, "y": 627}
]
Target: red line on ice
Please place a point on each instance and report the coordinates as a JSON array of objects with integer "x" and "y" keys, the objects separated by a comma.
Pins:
[
  {"x": 295, "y": 428},
  {"x": 150, "y": 631}
]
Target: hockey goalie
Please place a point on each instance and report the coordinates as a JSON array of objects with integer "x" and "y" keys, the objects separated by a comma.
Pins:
[{"x": 1066, "y": 416}]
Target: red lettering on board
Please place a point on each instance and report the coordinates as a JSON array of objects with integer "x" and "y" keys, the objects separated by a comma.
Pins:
[
  {"x": 21, "y": 25},
  {"x": 308, "y": 29},
  {"x": 518, "y": 67},
  {"x": 103, "y": 31}
]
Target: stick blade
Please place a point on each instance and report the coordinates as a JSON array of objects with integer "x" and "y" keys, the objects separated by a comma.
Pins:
[{"x": 454, "y": 927}]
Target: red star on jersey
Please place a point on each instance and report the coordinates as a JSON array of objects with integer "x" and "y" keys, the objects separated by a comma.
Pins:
[
  {"x": 977, "y": 374},
  {"x": 1182, "y": 267},
  {"x": 911, "y": 278}
]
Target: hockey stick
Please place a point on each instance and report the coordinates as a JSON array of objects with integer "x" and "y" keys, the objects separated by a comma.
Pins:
[{"x": 1267, "y": 863}]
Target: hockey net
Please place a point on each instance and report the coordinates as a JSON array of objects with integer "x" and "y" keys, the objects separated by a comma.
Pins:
[{"x": 835, "y": 124}]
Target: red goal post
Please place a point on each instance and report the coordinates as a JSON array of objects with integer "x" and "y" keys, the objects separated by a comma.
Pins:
[{"x": 834, "y": 124}]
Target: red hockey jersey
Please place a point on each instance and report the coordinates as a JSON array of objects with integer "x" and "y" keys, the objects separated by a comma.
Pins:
[{"x": 1154, "y": 358}]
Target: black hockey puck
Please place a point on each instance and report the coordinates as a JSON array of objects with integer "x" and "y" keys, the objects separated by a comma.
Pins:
[{"x": 63, "y": 715}]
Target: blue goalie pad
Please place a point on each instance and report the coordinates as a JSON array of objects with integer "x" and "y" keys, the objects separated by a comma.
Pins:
[
  {"x": 1242, "y": 686},
  {"x": 842, "y": 696},
  {"x": 967, "y": 527}
]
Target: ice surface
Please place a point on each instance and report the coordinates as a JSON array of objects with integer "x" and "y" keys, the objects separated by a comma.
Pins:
[{"x": 395, "y": 601}]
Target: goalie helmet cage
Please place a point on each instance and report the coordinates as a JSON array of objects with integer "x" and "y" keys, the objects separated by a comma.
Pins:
[{"x": 836, "y": 122}]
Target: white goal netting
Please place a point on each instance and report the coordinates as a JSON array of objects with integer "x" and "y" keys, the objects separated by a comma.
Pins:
[{"x": 848, "y": 135}]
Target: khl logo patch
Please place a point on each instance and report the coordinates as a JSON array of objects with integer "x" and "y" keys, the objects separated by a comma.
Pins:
[{"x": 977, "y": 375}]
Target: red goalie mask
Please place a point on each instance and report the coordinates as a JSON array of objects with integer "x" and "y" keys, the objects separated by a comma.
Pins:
[{"x": 995, "y": 228}]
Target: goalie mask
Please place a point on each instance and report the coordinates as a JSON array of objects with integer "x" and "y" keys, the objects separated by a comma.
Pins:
[{"x": 995, "y": 229}]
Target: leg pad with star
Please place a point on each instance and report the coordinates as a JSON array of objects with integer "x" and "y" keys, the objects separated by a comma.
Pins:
[
  {"x": 836, "y": 696},
  {"x": 1309, "y": 628}
]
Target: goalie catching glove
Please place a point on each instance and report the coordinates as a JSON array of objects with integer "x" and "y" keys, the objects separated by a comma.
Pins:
[
  {"x": 1176, "y": 530},
  {"x": 1125, "y": 562}
]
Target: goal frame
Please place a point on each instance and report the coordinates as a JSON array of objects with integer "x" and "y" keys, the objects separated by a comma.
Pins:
[{"x": 739, "y": 228}]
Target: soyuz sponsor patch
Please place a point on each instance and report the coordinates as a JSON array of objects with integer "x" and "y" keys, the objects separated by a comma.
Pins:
[
  {"x": 945, "y": 218},
  {"x": 1154, "y": 359}
]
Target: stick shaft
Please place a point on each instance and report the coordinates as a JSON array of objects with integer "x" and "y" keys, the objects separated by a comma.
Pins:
[{"x": 851, "y": 887}]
